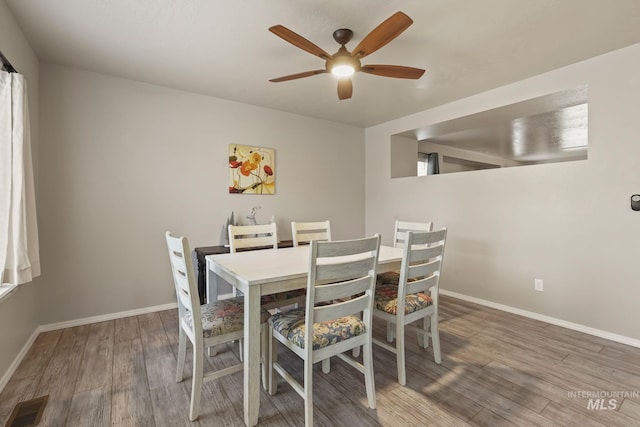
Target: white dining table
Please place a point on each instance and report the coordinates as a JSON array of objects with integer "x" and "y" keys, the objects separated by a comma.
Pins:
[{"x": 264, "y": 272}]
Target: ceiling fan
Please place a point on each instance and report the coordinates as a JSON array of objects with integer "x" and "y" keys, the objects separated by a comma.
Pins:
[{"x": 344, "y": 63}]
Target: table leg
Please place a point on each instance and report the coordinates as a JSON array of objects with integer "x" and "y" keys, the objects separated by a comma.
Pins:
[
  {"x": 211, "y": 294},
  {"x": 252, "y": 355}
]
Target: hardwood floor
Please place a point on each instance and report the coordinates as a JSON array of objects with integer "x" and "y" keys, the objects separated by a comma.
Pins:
[{"x": 498, "y": 369}]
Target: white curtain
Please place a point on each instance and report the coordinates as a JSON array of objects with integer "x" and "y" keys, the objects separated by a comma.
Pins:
[{"x": 19, "y": 247}]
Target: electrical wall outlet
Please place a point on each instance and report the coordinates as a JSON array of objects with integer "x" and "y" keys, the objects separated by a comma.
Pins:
[{"x": 538, "y": 285}]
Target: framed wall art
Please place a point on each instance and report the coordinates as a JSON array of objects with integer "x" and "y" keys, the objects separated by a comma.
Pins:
[{"x": 251, "y": 170}]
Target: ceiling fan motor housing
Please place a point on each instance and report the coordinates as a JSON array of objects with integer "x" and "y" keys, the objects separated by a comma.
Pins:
[{"x": 342, "y": 36}]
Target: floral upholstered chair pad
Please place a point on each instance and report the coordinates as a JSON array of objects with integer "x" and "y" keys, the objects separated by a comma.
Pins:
[
  {"x": 222, "y": 317},
  {"x": 388, "y": 278},
  {"x": 386, "y": 299},
  {"x": 291, "y": 324}
]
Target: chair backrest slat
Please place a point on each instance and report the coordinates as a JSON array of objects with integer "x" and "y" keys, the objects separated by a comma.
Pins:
[
  {"x": 422, "y": 285},
  {"x": 305, "y": 232},
  {"x": 423, "y": 270},
  {"x": 344, "y": 308},
  {"x": 344, "y": 270},
  {"x": 253, "y": 236},
  {"x": 429, "y": 238},
  {"x": 403, "y": 227},
  {"x": 182, "y": 282},
  {"x": 425, "y": 253},
  {"x": 341, "y": 289},
  {"x": 346, "y": 248}
]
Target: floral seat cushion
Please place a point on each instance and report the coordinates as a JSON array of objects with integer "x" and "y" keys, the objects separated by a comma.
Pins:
[
  {"x": 222, "y": 317},
  {"x": 290, "y": 324},
  {"x": 388, "y": 278},
  {"x": 386, "y": 299}
]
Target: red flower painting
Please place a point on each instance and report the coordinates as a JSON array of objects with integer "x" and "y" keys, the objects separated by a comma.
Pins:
[{"x": 251, "y": 170}]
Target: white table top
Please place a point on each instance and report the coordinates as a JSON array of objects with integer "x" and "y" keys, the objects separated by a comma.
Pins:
[{"x": 269, "y": 265}]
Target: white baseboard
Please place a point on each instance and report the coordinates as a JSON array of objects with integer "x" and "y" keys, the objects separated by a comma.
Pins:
[
  {"x": 71, "y": 323},
  {"x": 552, "y": 320},
  {"x": 16, "y": 362},
  {"x": 105, "y": 317}
]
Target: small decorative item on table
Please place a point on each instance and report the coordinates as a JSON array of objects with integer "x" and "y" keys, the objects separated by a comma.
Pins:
[{"x": 252, "y": 216}]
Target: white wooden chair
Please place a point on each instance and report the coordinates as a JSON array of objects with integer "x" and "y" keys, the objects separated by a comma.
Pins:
[
  {"x": 208, "y": 325},
  {"x": 305, "y": 232},
  {"x": 337, "y": 316},
  {"x": 415, "y": 297},
  {"x": 399, "y": 239},
  {"x": 263, "y": 236},
  {"x": 253, "y": 236},
  {"x": 403, "y": 227}
]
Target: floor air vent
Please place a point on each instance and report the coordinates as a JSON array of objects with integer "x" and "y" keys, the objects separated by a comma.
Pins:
[{"x": 27, "y": 413}]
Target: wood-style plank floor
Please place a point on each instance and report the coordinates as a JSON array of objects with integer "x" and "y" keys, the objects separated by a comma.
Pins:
[{"x": 498, "y": 369}]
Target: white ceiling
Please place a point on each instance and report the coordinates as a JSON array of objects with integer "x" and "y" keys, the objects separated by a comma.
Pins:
[{"x": 224, "y": 48}]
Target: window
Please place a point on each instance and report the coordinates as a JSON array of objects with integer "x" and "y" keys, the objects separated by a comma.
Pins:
[
  {"x": 428, "y": 164},
  {"x": 19, "y": 247}
]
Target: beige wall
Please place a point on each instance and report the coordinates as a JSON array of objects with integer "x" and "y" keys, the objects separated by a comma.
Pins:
[
  {"x": 403, "y": 159},
  {"x": 19, "y": 312},
  {"x": 569, "y": 224},
  {"x": 125, "y": 161}
]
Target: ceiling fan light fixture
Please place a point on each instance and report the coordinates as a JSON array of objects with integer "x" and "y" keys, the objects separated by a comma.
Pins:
[
  {"x": 342, "y": 64},
  {"x": 344, "y": 70}
]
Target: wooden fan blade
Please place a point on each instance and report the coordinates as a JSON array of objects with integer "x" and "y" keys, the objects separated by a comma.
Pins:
[
  {"x": 383, "y": 34},
  {"x": 298, "y": 76},
  {"x": 298, "y": 41},
  {"x": 345, "y": 88},
  {"x": 396, "y": 71}
]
